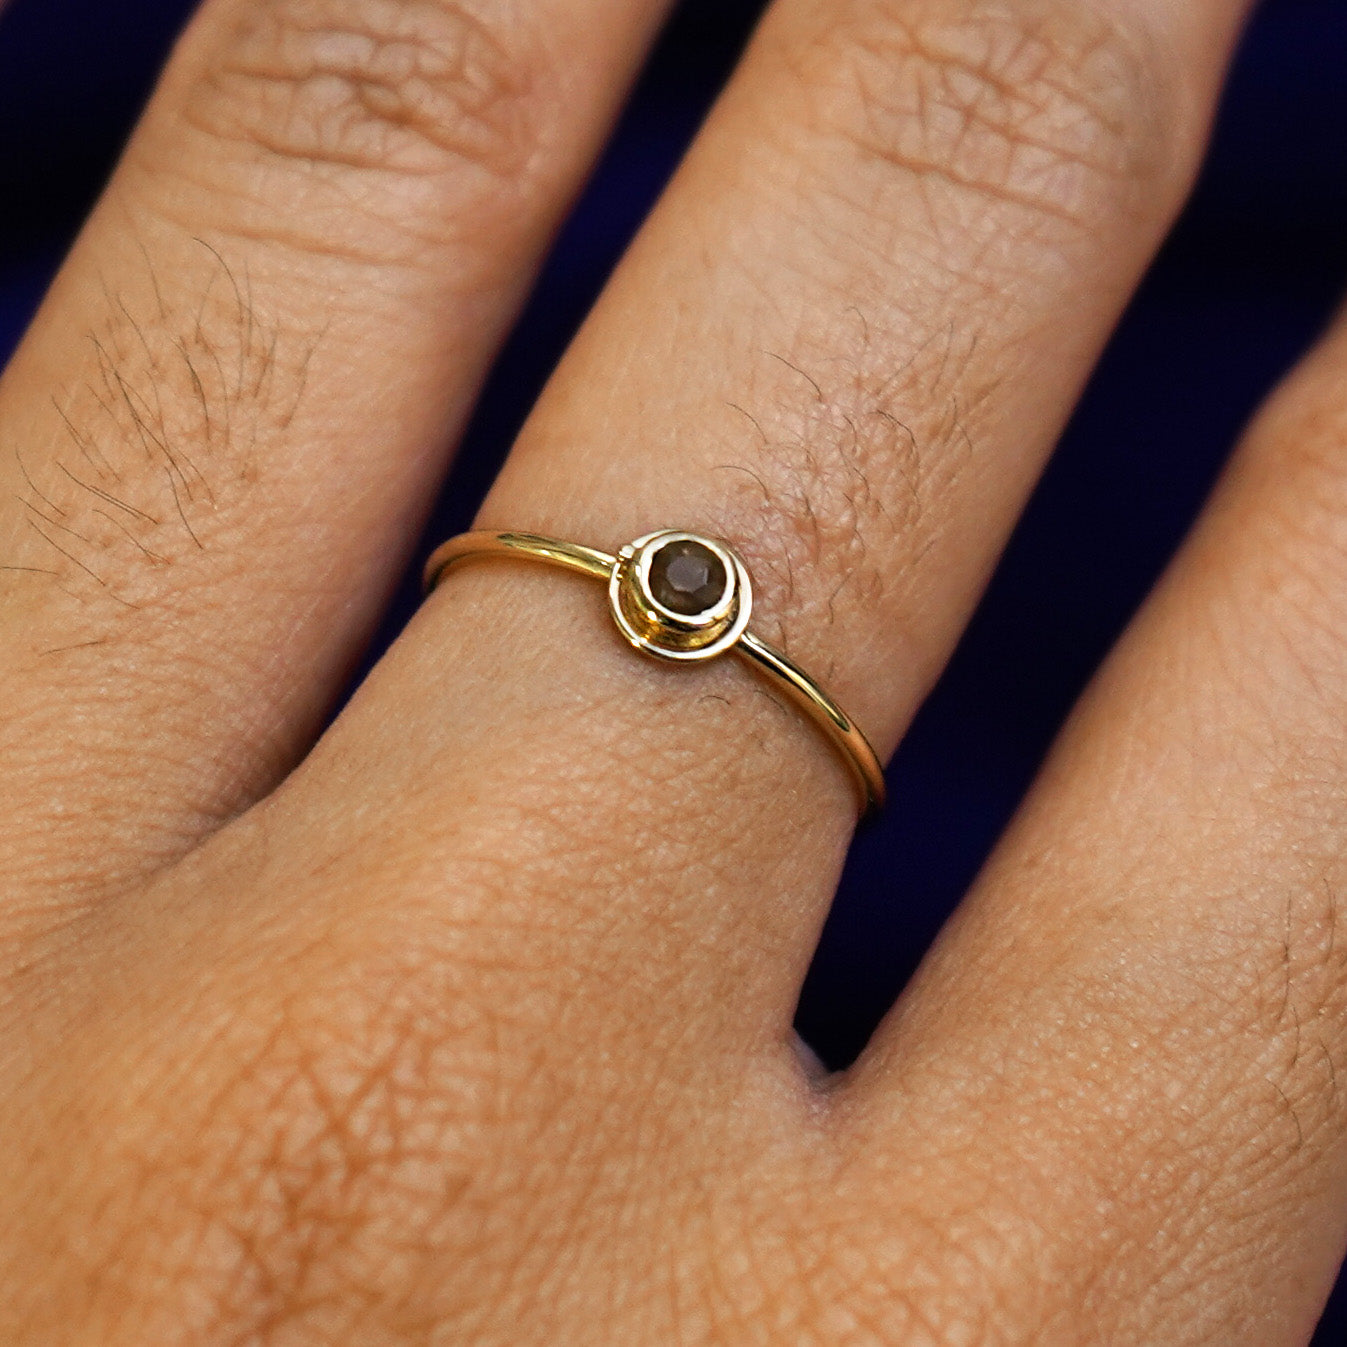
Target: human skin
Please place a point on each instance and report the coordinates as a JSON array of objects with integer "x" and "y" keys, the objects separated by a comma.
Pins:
[{"x": 469, "y": 1021}]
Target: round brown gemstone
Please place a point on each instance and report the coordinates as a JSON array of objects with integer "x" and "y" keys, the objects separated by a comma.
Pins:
[{"x": 687, "y": 577}]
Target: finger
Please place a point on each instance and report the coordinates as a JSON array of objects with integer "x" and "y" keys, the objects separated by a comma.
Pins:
[
  {"x": 845, "y": 342},
  {"x": 228, "y": 417},
  {"x": 1152, "y": 966}
]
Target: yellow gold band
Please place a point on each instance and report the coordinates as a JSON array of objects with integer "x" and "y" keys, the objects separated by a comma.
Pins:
[{"x": 685, "y": 597}]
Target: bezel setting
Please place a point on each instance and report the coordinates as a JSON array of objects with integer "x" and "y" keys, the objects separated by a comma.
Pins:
[{"x": 657, "y": 630}]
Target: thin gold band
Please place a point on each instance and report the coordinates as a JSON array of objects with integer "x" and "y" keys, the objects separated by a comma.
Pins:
[{"x": 731, "y": 633}]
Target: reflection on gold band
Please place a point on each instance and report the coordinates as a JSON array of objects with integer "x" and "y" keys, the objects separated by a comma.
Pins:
[{"x": 652, "y": 627}]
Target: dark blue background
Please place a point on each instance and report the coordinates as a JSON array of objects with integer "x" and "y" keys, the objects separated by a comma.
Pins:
[{"x": 1248, "y": 277}]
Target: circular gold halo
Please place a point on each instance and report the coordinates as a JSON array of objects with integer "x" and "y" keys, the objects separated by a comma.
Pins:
[{"x": 650, "y": 627}]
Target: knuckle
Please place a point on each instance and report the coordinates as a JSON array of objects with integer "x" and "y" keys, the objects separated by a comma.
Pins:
[
  {"x": 419, "y": 87},
  {"x": 386, "y": 1150},
  {"x": 340, "y": 1141},
  {"x": 1055, "y": 110}
]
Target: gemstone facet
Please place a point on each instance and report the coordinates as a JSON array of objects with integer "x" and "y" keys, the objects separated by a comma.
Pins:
[
  {"x": 679, "y": 595},
  {"x": 687, "y": 577}
]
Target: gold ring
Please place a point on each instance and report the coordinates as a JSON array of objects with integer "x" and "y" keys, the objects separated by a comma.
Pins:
[{"x": 681, "y": 596}]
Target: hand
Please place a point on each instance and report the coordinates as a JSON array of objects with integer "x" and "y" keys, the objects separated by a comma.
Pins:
[{"x": 470, "y": 1023}]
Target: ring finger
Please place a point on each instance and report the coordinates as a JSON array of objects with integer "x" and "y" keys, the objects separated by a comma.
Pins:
[{"x": 846, "y": 342}]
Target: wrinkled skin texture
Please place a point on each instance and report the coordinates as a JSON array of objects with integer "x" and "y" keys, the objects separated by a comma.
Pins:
[{"x": 469, "y": 1020}]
